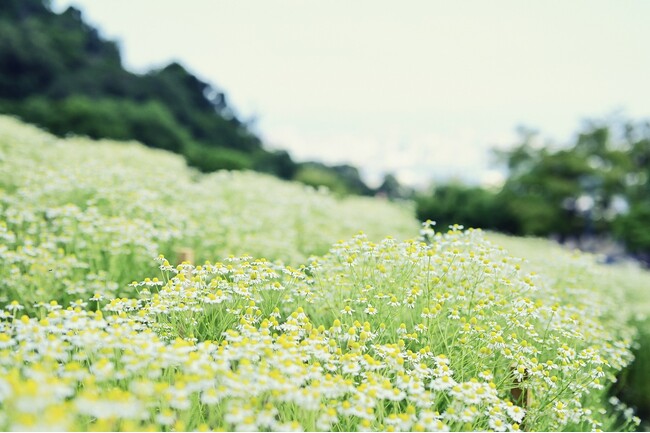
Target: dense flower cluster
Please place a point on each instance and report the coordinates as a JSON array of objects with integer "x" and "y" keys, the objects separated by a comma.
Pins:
[
  {"x": 625, "y": 280},
  {"x": 79, "y": 217},
  {"x": 449, "y": 334},
  {"x": 444, "y": 332}
]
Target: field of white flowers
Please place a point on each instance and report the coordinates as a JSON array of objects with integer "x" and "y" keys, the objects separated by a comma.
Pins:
[{"x": 287, "y": 318}]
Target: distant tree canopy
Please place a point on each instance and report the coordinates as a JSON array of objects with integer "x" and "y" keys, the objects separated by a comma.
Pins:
[
  {"x": 341, "y": 179},
  {"x": 599, "y": 185},
  {"x": 58, "y": 72},
  {"x": 455, "y": 203},
  {"x": 58, "y": 61}
]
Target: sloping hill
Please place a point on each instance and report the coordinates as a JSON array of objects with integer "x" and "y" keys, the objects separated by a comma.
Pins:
[
  {"x": 109, "y": 208},
  {"x": 275, "y": 323}
]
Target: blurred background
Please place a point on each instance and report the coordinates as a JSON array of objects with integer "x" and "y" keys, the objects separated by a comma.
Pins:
[{"x": 530, "y": 119}]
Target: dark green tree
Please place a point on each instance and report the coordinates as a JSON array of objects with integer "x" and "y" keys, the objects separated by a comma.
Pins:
[
  {"x": 597, "y": 186},
  {"x": 476, "y": 207},
  {"x": 56, "y": 71}
]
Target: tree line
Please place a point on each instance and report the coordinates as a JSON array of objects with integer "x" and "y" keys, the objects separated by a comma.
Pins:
[
  {"x": 58, "y": 72},
  {"x": 597, "y": 186}
]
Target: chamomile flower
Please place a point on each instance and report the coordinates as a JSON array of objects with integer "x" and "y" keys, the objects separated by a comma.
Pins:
[{"x": 370, "y": 310}]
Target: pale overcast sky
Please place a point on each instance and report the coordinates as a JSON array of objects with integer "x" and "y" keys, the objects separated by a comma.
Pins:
[{"x": 419, "y": 88}]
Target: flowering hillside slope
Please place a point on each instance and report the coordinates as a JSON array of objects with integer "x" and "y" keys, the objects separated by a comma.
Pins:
[
  {"x": 79, "y": 217},
  {"x": 373, "y": 336},
  {"x": 276, "y": 325},
  {"x": 627, "y": 283},
  {"x": 628, "y": 279}
]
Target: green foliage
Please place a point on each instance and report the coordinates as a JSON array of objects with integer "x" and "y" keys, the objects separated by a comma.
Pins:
[
  {"x": 598, "y": 186},
  {"x": 469, "y": 206},
  {"x": 199, "y": 108},
  {"x": 48, "y": 54},
  {"x": 56, "y": 71},
  {"x": 543, "y": 188},
  {"x": 350, "y": 177},
  {"x": 317, "y": 176},
  {"x": 595, "y": 166},
  {"x": 150, "y": 122},
  {"x": 634, "y": 228},
  {"x": 277, "y": 162},
  {"x": 634, "y": 384},
  {"x": 341, "y": 179},
  {"x": 208, "y": 159},
  {"x": 392, "y": 189}
]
